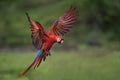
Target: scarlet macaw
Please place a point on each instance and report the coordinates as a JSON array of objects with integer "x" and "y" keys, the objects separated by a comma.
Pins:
[{"x": 43, "y": 41}]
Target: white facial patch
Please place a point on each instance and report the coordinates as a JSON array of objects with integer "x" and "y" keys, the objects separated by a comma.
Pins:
[{"x": 58, "y": 39}]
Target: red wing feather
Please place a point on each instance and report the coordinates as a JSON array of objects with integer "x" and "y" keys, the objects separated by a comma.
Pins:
[
  {"x": 38, "y": 33},
  {"x": 64, "y": 22}
]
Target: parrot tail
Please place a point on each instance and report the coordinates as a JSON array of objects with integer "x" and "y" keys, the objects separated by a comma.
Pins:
[{"x": 35, "y": 63}]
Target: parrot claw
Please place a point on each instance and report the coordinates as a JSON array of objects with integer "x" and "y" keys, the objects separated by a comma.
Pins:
[{"x": 48, "y": 53}]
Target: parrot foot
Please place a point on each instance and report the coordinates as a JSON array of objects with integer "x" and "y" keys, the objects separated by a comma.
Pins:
[{"x": 47, "y": 53}]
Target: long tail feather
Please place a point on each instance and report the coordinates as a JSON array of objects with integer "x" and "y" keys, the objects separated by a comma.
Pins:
[{"x": 35, "y": 63}]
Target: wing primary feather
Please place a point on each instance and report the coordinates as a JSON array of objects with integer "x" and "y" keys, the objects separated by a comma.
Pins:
[
  {"x": 64, "y": 22},
  {"x": 28, "y": 18},
  {"x": 37, "y": 32}
]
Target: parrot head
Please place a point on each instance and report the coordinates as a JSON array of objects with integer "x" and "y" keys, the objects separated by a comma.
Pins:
[{"x": 59, "y": 39}]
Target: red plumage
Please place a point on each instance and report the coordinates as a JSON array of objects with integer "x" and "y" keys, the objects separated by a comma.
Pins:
[{"x": 43, "y": 41}]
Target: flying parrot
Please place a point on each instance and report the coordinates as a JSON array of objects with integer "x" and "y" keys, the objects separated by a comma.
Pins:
[{"x": 43, "y": 41}]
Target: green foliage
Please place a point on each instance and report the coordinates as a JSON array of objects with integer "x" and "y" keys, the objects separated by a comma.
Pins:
[
  {"x": 102, "y": 65},
  {"x": 100, "y": 17}
]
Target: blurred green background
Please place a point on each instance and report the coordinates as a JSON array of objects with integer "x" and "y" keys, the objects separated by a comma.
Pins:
[{"x": 91, "y": 50}]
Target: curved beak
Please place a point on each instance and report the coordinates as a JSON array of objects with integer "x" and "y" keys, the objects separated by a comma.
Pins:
[{"x": 61, "y": 41}]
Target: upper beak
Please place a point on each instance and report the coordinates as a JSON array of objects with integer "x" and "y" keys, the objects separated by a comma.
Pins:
[{"x": 61, "y": 41}]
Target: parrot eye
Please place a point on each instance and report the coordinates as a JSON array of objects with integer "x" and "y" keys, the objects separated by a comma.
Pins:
[{"x": 59, "y": 40}]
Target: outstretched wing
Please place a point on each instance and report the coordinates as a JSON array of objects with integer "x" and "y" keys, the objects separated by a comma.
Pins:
[
  {"x": 63, "y": 24},
  {"x": 38, "y": 33}
]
